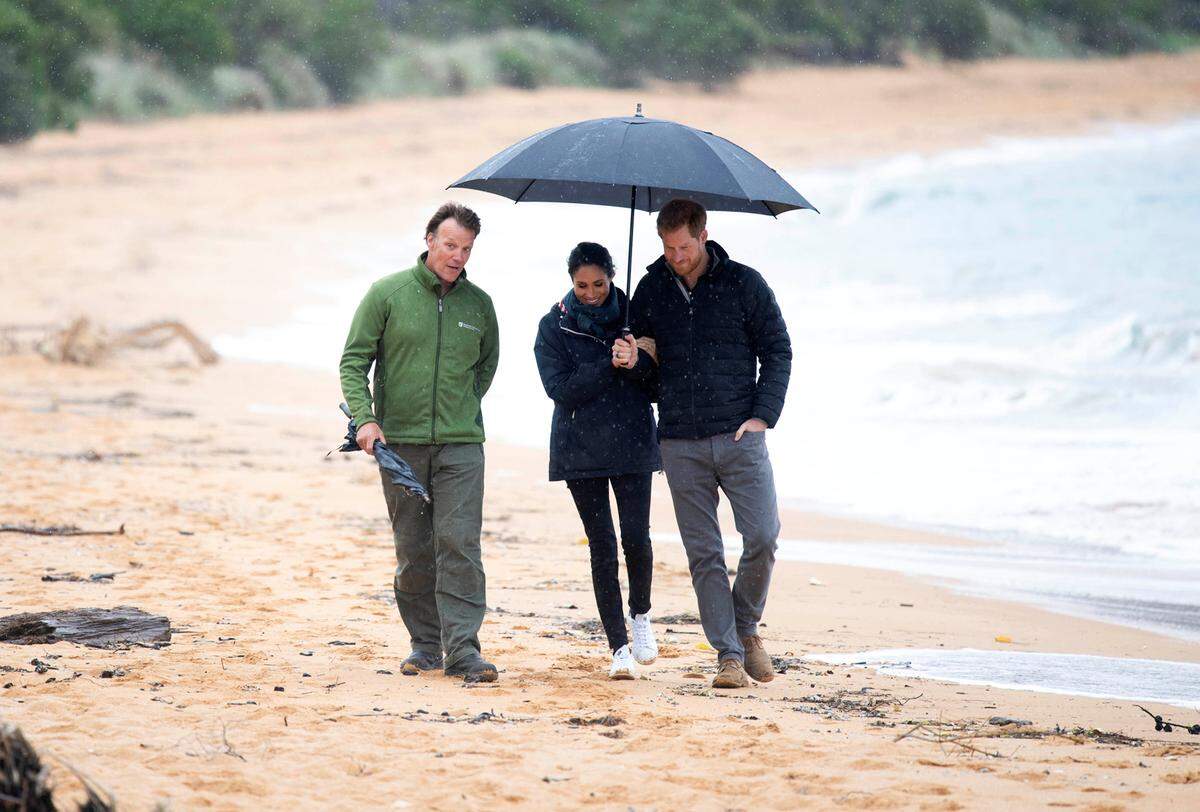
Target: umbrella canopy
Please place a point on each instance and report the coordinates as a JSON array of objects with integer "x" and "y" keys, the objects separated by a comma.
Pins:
[
  {"x": 634, "y": 160},
  {"x": 391, "y": 463},
  {"x": 637, "y": 162}
]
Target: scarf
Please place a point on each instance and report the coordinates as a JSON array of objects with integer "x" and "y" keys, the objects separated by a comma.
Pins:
[{"x": 602, "y": 321}]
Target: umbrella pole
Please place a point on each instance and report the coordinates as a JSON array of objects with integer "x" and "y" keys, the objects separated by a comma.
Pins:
[{"x": 629, "y": 258}]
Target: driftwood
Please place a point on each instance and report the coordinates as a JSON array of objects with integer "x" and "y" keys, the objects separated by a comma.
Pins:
[
  {"x": 83, "y": 343},
  {"x": 70, "y": 577},
  {"x": 25, "y": 779},
  {"x": 119, "y": 627},
  {"x": 58, "y": 530}
]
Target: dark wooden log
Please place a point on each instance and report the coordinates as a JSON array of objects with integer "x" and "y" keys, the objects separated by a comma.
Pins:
[
  {"x": 119, "y": 627},
  {"x": 58, "y": 530}
]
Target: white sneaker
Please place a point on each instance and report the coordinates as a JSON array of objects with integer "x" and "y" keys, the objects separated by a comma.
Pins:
[
  {"x": 623, "y": 666},
  {"x": 645, "y": 650}
]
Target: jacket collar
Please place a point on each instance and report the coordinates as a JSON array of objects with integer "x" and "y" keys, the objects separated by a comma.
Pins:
[
  {"x": 429, "y": 279},
  {"x": 566, "y": 319},
  {"x": 718, "y": 258}
]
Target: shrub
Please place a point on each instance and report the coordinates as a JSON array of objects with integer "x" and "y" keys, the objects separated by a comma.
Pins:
[
  {"x": 43, "y": 83},
  {"x": 185, "y": 33},
  {"x": 19, "y": 114},
  {"x": 238, "y": 88},
  {"x": 518, "y": 58},
  {"x": 956, "y": 28},
  {"x": 345, "y": 42},
  {"x": 691, "y": 40},
  {"x": 133, "y": 90},
  {"x": 292, "y": 80}
]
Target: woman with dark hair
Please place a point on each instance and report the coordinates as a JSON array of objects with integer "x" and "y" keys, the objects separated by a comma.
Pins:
[{"x": 603, "y": 434}]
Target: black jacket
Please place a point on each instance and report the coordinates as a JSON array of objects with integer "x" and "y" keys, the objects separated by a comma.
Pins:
[
  {"x": 603, "y": 423},
  {"x": 723, "y": 357}
]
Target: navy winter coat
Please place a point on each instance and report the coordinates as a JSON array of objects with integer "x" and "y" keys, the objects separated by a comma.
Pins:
[
  {"x": 724, "y": 356},
  {"x": 603, "y": 422}
]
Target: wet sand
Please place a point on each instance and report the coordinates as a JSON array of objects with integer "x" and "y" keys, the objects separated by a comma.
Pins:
[{"x": 268, "y": 558}]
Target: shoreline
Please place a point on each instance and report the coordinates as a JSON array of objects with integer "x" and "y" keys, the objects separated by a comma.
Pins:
[{"x": 264, "y": 554}]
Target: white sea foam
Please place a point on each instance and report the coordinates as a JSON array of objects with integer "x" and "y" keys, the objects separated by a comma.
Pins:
[{"x": 1131, "y": 679}]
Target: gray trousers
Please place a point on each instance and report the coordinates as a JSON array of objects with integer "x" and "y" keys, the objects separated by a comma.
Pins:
[
  {"x": 695, "y": 470},
  {"x": 439, "y": 579}
]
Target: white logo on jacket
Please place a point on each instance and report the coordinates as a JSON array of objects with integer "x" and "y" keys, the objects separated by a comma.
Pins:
[{"x": 469, "y": 326}]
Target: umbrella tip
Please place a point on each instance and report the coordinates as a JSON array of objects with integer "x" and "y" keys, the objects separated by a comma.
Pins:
[{"x": 639, "y": 110}]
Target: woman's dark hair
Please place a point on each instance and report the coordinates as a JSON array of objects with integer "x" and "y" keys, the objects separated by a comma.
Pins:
[{"x": 590, "y": 253}]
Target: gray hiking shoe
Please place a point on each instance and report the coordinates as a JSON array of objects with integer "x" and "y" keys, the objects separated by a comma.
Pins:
[
  {"x": 473, "y": 668},
  {"x": 420, "y": 661}
]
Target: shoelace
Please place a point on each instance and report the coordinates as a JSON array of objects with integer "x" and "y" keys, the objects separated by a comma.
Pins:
[{"x": 641, "y": 634}]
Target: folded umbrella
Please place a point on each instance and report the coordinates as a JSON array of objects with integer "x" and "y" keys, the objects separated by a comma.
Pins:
[{"x": 400, "y": 472}]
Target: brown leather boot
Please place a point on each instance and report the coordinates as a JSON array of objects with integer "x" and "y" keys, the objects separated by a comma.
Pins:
[
  {"x": 730, "y": 674},
  {"x": 758, "y": 662}
]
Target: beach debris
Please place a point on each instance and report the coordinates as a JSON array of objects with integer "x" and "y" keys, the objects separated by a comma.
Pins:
[
  {"x": 607, "y": 720},
  {"x": 682, "y": 619},
  {"x": 592, "y": 627},
  {"x": 95, "y": 577},
  {"x": 112, "y": 672},
  {"x": 1167, "y": 726},
  {"x": 389, "y": 461},
  {"x": 866, "y": 701},
  {"x": 921, "y": 733},
  {"x": 704, "y": 647},
  {"x": 340, "y": 643},
  {"x": 1003, "y": 638},
  {"x": 58, "y": 530},
  {"x": 782, "y": 665},
  {"x": 1005, "y": 721},
  {"x": 41, "y": 667},
  {"x": 25, "y": 779},
  {"x": 812, "y": 581},
  {"x": 119, "y": 627},
  {"x": 86, "y": 344}
]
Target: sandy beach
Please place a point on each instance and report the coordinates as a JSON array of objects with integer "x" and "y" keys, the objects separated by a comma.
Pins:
[{"x": 281, "y": 686}]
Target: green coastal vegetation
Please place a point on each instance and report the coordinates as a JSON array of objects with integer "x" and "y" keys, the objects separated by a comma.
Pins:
[{"x": 65, "y": 60}]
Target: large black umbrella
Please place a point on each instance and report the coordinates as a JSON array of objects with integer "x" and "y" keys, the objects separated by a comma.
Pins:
[{"x": 637, "y": 162}]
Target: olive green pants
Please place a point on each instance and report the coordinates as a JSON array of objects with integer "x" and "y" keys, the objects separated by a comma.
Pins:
[{"x": 439, "y": 579}]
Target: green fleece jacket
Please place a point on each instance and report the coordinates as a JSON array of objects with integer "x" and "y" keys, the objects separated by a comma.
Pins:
[{"x": 434, "y": 355}]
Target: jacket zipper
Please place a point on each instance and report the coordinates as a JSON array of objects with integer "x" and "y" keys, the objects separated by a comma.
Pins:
[
  {"x": 577, "y": 333},
  {"x": 690, "y": 296},
  {"x": 566, "y": 329},
  {"x": 437, "y": 358}
]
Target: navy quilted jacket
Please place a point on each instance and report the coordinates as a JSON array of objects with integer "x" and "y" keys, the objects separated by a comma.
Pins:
[
  {"x": 724, "y": 354},
  {"x": 603, "y": 422}
]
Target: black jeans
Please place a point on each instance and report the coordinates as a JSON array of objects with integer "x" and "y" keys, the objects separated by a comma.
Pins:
[{"x": 633, "y": 506}]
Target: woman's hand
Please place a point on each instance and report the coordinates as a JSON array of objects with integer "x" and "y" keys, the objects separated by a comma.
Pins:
[{"x": 625, "y": 352}]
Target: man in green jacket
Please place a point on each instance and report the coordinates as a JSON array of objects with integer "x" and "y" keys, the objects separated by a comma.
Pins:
[{"x": 432, "y": 337}]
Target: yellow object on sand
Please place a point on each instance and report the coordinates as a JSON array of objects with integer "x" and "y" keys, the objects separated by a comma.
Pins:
[
  {"x": 704, "y": 647},
  {"x": 582, "y": 541},
  {"x": 1003, "y": 638}
]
